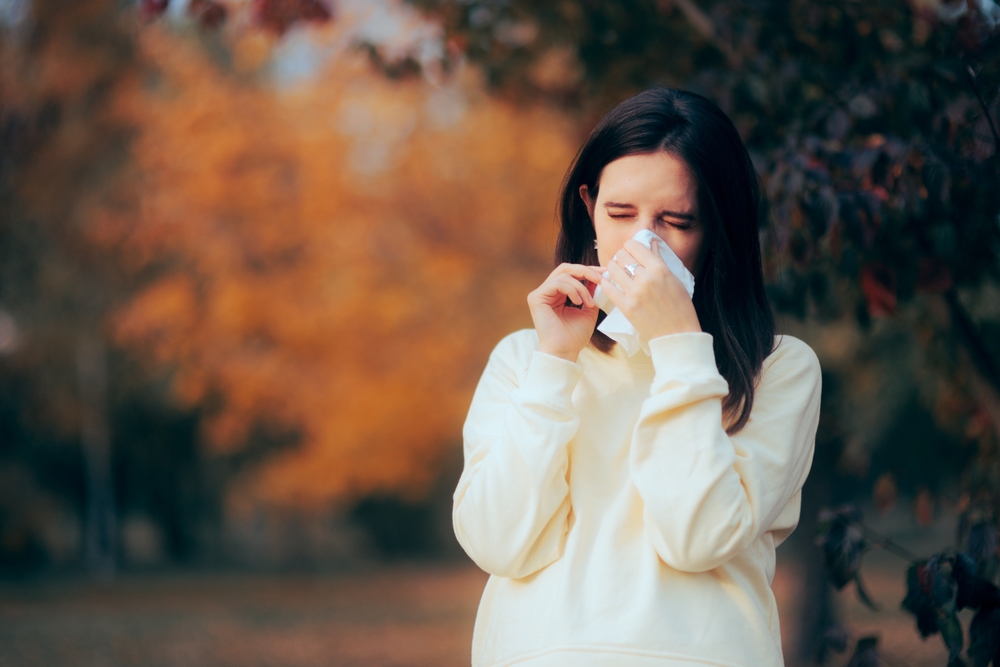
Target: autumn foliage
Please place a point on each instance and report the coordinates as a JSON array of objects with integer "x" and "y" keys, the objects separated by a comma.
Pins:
[{"x": 333, "y": 262}]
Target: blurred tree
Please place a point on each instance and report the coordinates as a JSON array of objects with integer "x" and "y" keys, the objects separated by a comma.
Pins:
[
  {"x": 69, "y": 435},
  {"x": 342, "y": 277},
  {"x": 333, "y": 286},
  {"x": 60, "y": 150}
]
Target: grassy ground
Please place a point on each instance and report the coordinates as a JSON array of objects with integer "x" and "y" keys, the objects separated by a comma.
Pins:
[{"x": 404, "y": 615}]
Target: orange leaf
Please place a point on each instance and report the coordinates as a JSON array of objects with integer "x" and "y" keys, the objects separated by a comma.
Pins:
[
  {"x": 884, "y": 493},
  {"x": 923, "y": 507},
  {"x": 878, "y": 284}
]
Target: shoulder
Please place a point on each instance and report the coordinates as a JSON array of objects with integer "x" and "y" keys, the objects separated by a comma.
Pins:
[
  {"x": 791, "y": 360},
  {"x": 512, "y": 354},
  {"x": 520, "y": 344},
  {"x": 790, "y": 387}
]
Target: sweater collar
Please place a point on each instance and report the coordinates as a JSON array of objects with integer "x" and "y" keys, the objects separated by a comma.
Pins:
[{"x": 639, "y": 359}]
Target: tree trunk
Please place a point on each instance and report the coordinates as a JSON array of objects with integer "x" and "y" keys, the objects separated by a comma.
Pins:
[{"x": 95, "y": 441}]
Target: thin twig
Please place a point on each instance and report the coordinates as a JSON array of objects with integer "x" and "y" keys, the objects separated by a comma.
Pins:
[
  {"x": 970, "y": 335},
  {"x": 701, "y": 22},
  {"x": 971, "y": 74},
  {"x": 887, "y": 544}
]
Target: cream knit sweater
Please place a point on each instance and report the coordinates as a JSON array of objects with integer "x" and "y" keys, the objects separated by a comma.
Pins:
[{"x": 622, "y": 526}]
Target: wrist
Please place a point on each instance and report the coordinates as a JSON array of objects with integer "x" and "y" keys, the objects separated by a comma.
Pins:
[
  {"x": 686, "y": 325},
  {"x": 567, "y": 355},
  {"x": 676, "y": 330}
]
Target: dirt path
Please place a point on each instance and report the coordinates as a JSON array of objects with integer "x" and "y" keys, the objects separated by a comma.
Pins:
[{"x": 403, "y": 616}]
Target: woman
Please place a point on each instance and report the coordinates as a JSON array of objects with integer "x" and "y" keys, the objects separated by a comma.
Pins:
[{"x": 629, "y": 508}]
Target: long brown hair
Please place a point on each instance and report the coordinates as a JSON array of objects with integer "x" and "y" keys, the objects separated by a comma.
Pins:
[{"x": 729, "y": 298}]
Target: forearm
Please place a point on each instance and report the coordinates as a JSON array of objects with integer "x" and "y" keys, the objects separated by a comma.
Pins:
[
  {"x": 709, "y": 495},
  {"x": 696, "y": 512},
  {"x": 512, "y": 502}
]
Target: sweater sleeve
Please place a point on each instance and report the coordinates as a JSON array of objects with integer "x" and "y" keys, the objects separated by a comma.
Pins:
[
  {"x": 512, "y": 507},
  {"x": 706, "y": 495}
]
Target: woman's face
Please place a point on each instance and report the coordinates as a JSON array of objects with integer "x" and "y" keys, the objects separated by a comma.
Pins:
[{"x": 653, "y": 191}]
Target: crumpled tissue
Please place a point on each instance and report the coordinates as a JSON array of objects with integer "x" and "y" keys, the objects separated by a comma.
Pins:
[{"x": 616, "y": 326}]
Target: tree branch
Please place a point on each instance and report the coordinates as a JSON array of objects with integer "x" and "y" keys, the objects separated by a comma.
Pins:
[
  {"x": 973, "y": 342},
  {"x": 700, "y": 21},
  {"x": 971, "y": 74},
  {"x": 887, "y": 544}
]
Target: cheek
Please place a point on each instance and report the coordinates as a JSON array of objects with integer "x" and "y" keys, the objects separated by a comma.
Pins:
[
  {"x": 689, "y": 257},
  {"x": 688, "y": 249},
  {"x": 610, "y": 248},
  {"x": 609, "y": 241},
  {"x": 697, "y": 255}
]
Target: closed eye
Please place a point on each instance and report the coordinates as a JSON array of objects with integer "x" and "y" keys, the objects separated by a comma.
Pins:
[{"x": 679, "y": 224}]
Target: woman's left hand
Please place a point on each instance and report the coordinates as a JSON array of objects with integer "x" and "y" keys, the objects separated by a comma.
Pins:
[{"x": 653, "y": 299}]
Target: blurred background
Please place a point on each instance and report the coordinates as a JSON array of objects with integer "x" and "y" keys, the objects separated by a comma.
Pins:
[{"x": 254, "y": 255}]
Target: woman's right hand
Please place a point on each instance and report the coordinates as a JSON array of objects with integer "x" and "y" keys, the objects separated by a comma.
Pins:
[{"x": 564, "y": 330}]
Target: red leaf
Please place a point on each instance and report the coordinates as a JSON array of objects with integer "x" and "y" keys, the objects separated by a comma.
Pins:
[
  {"x": 923, "y": 508},
  {"x": 925, "y": 577},
  {"x": 151, "y": 9},
  {"x": 878, "y": 283},
  {"x": 978, "y": 424},
  {"x": 279, "y": 15},
  {"x": 933, "y": 277},
  {"x": 209, "y": 13},
  {"x": 884, "y": 493},
  {"x": 969, "y": 33}
]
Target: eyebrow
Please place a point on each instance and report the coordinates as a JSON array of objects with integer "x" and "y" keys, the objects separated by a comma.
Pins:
[{"x": 672, "y": 214}]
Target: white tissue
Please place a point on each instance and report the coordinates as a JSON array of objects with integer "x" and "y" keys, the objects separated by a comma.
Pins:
[{"x": 616, "y": 326}]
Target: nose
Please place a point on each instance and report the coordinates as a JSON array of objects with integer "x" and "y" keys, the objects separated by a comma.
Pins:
[{"x": 644, "y": 222}]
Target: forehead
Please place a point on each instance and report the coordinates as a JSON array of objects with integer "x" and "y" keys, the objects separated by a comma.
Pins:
[{"x": 648, "y": 178}]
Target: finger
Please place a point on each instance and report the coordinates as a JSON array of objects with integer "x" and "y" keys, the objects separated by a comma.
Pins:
[
  {"x": 624, "y": 258},
  {"x": 643, "y": 254},
  {"x": 580, "y": 272},
  {"x": 575, "y": 270},
  {"x": 558, "y": 286},
  {"x": 586, "y": 298},
  {"x": 594, "y": 274},
  {"x": 620, "y": 276},
  {"x": 574, "y": 290},
  {"x": 613, "y": 291}
]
